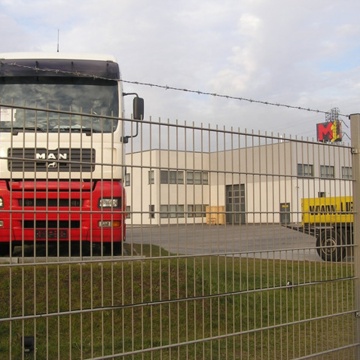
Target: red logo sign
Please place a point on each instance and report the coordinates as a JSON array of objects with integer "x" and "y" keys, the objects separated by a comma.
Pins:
[{"x": 329, "y": 131}]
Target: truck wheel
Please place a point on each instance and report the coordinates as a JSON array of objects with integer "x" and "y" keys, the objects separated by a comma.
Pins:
[
  {"x": 5, "y": 249},
  {"x": 113, "y": 248},
  {"x": 328, "y": 245},
  {"x": 85, "y": 248},
  {"x": 80, "y": 249}
]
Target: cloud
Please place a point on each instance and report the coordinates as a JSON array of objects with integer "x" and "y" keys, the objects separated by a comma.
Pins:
[
  {"x": 18, "y": 39},
  {"x": 298, "y": 53}
]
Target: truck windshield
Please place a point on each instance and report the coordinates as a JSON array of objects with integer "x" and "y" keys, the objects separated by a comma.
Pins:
[{"x": 87, "y": 100}]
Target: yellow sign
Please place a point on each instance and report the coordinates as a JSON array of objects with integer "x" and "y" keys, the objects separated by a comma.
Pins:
[{"x": 327, "y": 210}]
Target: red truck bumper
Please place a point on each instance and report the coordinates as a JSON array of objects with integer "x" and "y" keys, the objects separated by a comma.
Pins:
[{"x": 41, "y": 211}]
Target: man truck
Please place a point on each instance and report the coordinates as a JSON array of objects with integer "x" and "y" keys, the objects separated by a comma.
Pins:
[
  {"x": 330, "y": 221},
  {"x": 62, "y": 151}
]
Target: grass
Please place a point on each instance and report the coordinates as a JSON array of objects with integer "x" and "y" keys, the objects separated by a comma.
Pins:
[{"x": 180, "y": 308}]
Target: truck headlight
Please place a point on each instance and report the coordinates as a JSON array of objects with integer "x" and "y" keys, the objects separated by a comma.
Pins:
[
  {"x": 110, "y": 203},
  {"x": 1, "y": 202}
]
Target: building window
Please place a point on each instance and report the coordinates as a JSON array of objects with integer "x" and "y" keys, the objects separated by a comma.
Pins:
[
  {"x": 127, "y": 179},
  {"x": 151, "y": 211},
  {"x": 128, "y": 212},
  {"x": 171, "y": 177},
  {"x": 346, "y": 172},
  {"x": 172, "y": 211},
  {"x": 197, "y": 177},
  {"x": 151, "y": 177},
  {"x": 196, "y": 211},
  {"x": 321, "y": 194},
  {"x": 327, "y": 171},
  {"x": 305, "y": 170}
]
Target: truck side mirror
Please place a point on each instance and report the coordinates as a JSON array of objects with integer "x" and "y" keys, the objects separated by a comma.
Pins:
[{"x": 138, "y": 108}]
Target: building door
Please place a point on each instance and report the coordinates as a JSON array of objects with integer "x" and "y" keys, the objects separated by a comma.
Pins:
[
  {"x": 235, "y": 204},
  {"x": 284, "y": 213}
]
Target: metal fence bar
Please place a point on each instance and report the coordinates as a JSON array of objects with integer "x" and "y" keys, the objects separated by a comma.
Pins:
[{"x": 355, "y": 143}]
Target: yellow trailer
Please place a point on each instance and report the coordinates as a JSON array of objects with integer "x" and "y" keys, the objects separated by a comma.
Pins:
[{"x": 330, "y": 220}]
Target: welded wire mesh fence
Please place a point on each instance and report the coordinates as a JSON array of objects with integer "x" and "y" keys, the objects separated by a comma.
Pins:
[{"x": 236, "y": 245}]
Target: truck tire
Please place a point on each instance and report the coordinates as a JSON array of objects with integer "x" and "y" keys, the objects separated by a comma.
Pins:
[
  {"x": 113, "y": 249},
  {"x": 329, "y": 245},
  {"x": 5, "y": 249}
]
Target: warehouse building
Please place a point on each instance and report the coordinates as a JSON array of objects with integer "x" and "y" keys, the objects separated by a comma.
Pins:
[{"x": 257, "y": 184}]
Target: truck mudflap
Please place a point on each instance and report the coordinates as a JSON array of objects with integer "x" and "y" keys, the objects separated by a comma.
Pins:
[{"x": 331, "y": 241}]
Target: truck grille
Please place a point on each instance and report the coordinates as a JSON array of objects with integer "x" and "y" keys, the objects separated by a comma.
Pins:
[
  {"x": 50, "y": 202},
  {"x": 42, "y": 224},
  {"x": 59, "y": 160}
]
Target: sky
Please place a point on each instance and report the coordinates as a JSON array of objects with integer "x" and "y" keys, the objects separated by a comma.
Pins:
[{"x": 299, "y": 53}]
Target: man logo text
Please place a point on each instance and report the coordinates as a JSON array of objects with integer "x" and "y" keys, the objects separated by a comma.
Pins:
[{"x": 51, "y": 156}]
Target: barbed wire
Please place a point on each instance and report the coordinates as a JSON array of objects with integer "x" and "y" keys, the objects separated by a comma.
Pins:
[
  {"x": 174, "y": 88},
  {"x": 199, "y": 92}
]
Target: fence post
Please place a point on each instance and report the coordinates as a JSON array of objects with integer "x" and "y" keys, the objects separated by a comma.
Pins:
[{"x": 355, "y": 149}]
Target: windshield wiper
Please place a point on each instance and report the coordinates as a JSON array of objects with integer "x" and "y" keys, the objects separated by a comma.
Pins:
[
  {"x": 16, "y": 129},
  {"x": 75, "y": 128}
]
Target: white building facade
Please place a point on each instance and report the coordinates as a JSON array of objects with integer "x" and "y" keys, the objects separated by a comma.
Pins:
[{"x": 257, "y": 184}]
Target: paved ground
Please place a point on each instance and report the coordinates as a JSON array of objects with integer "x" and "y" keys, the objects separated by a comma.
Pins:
[
  {"x": 273, "y": 241},
  {"x": 253, "y": 240}
]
